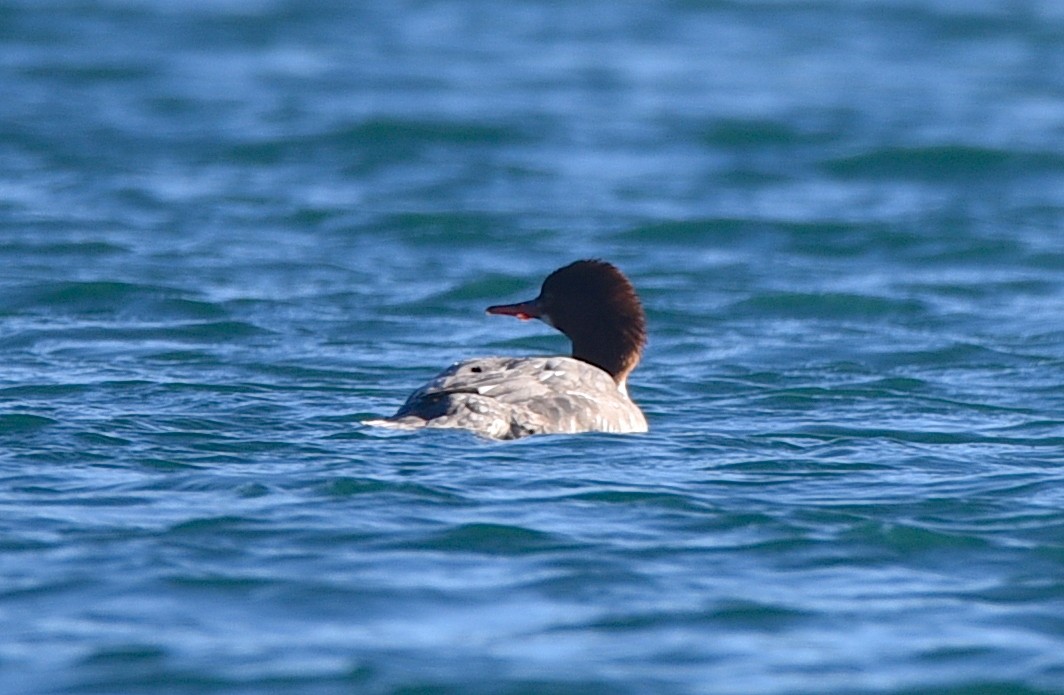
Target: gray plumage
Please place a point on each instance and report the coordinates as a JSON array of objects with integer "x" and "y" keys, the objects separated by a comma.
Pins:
[{"x": 511, "y": 397}]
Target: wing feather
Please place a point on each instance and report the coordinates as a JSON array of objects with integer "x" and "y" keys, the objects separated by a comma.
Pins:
[{"x": 506, "y": 398}]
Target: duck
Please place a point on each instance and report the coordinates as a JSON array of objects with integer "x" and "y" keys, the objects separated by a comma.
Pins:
[{"x": 593, "y": 304}]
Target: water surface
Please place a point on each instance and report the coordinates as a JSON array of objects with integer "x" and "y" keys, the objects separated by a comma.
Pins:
[{"x": 231, "y": 231}]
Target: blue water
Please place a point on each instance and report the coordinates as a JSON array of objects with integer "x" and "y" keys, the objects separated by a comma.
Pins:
[{"x": 231, "y": 230}]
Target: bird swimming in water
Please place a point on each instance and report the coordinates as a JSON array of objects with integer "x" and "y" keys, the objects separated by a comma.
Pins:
[{"x": 596, "y": 307}]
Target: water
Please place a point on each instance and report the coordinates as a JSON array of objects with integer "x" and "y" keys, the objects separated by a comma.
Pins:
[{"x": 232, "y": 230}]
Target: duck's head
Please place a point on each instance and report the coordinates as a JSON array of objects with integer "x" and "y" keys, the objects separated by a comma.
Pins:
[{"x": 595, "y": 305}]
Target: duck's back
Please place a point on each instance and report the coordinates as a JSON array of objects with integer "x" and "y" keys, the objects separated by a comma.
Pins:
[{"x": 506, "y": 398}]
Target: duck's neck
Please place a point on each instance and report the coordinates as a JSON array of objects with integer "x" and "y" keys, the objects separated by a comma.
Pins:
[{"x": 617, "y": 354}]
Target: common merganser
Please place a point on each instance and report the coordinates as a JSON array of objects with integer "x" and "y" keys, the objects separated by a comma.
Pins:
[{"x": 592, "y": 303}]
